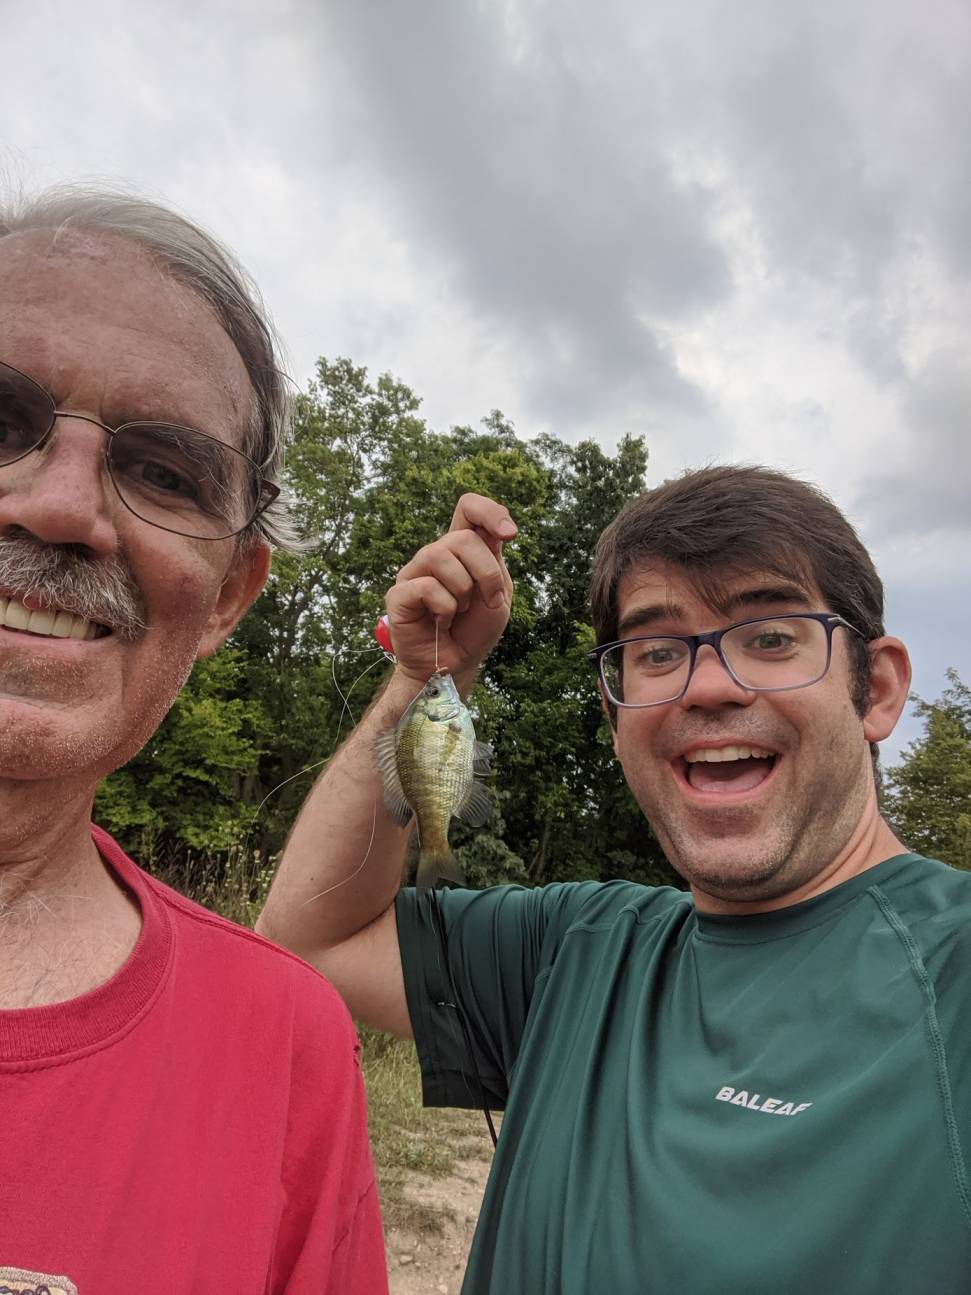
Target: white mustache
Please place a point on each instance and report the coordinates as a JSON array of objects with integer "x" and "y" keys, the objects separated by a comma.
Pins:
[{"x": 101, "y": 590}]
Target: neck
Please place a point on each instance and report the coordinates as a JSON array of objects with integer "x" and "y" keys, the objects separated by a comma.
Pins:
[
  {"x": 870, "y": 843},
  {"x": 66, "y": 925}
]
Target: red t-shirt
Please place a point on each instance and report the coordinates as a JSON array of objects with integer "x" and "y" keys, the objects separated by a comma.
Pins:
[{"x": 195, "y": 1124}]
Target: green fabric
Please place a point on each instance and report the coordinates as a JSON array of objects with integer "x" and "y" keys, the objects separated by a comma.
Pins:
[{"x": 621, "y": 1029}]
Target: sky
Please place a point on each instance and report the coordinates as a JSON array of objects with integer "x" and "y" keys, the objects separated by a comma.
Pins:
[{"x": 740, "y": 230}]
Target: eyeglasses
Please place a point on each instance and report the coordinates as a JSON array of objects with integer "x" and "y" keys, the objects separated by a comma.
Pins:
[
  {"x": 171, "y": 477},
  {"x": 767, "y": 654}
]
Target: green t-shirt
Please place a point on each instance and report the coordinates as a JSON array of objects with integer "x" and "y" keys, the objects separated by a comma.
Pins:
[{"x": 701, "y": 1105}]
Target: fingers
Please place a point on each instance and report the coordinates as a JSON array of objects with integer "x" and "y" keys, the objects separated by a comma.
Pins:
[
  {"x": 450, "y": 603},
  {"x": 490, "y": 519},
  {"x": 464, "y": 564},
  {"x": 419, "y": 597}
]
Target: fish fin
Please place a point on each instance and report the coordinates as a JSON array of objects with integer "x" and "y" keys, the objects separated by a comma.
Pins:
[
  {"x": 435, "y": 866},
  {"x": 482, "y": 754},
  {"x": 395, "y": 800},
  {"x": 475, "y": 807}
]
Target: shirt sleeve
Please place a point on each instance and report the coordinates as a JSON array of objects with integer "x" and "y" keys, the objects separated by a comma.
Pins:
[{"x": 470, "y": 980}]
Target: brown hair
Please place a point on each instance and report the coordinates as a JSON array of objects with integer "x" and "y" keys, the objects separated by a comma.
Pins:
[{"x": 718, "y": 521}]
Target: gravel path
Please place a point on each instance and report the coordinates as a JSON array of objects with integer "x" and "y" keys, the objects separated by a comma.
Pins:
[{"x": 434, "y": 1263}]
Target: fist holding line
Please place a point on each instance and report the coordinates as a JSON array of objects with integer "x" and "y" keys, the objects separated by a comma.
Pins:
[{"x": 459, "y": 583}]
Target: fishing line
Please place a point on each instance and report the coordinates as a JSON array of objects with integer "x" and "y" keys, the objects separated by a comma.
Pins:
[
  {"x": 345, "y": 880},
  {"x": 345, "y": 710},
  {"x": 436, "y": 645},
  {"x": 374, "y": 817}
]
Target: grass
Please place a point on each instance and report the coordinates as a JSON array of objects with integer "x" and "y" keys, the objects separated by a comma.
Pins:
[{"x": 407, "y": 1138}]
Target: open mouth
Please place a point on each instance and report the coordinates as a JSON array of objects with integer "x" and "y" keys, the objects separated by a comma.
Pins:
[
  {"x": 48, "y": 624},
  {"x": 721, "y": 771}
]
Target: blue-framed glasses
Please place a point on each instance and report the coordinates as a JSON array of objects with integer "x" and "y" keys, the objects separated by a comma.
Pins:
[{"x": 766, "y": 654}]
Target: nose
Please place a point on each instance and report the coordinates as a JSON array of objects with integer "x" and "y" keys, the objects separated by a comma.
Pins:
[
  {"x": 711, "y": 686},
  {"x": 62, "y": 493}
]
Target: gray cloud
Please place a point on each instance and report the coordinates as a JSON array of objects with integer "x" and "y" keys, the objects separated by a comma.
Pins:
[
  {"x": 921, "y": 486},
  {"x": 567, "y": 169},
  {"x": 504, "y": 155}
]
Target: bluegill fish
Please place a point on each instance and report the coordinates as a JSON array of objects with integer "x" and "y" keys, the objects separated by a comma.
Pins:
[{"x": 428, "y": 766}]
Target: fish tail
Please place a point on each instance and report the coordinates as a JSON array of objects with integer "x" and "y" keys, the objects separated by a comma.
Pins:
[{"x": 436, "y": 865}]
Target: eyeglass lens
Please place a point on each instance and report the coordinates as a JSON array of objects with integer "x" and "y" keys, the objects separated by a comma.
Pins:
[
  {"x": 170, "y": 476},
  {"x": 775, "y": 653}
]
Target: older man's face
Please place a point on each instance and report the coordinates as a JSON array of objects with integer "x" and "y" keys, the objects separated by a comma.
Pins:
[{"x": 91, "y": 319}]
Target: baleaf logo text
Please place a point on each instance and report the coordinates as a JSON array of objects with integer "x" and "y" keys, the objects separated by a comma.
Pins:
[{"x": 771, "y": 1105}]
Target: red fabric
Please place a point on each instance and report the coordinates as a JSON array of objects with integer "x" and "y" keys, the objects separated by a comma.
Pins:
[{"x": 195, "y": 1124}]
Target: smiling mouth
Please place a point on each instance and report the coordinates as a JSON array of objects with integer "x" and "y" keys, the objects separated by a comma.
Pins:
[
  {"x": 722, "y": 771},
  {"x": 48, "y": 624}
]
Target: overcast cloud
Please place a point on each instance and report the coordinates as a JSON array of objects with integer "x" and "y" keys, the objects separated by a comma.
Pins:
[{"x": 740, "y": 230}]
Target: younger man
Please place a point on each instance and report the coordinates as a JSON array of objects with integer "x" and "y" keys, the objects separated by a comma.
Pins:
[{"x": 760, "y": 1085}]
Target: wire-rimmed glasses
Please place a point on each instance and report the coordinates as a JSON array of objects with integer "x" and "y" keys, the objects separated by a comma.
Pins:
[
  {"x": 176, "y": 478},
  {"x": 764, "y": 654}
]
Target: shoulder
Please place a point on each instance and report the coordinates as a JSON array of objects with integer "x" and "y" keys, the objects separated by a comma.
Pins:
[
  {"x": 597, "y": 903},
  {"x": 544, "y": 911},
  {"x": 244, "y": 971},
  {"x": 932, "y": 902},
  {"x": 926, "y": 886}
]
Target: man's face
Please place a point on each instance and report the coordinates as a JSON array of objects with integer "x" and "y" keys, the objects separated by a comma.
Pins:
[
  {"x": 95, "y": 322},
  {"x": 753, "y": 829}
]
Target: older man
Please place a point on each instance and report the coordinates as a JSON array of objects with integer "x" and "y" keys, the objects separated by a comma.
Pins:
[
  {"x": 762, "y": 1084},
  {"x": 182, "y": 1102}
]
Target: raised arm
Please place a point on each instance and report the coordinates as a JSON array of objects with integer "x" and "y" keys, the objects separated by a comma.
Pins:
[{"x": 323, "y": 904}]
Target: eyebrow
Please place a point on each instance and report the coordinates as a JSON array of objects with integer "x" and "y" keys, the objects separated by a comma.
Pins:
[{"x": 759, "y": 596}]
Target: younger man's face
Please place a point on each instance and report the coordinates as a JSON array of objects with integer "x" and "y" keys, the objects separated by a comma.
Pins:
[{"x": 761, "y": 828}]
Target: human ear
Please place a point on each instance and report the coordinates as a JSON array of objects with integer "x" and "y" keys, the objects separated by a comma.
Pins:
[
  {"x": 890, "y": 675},
  {"x": 242, "y": 585}
]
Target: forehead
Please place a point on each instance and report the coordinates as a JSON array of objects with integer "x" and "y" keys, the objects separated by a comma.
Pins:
[
  {"x": 95, "y": 320},
  {"x": 664, "y": 593}
]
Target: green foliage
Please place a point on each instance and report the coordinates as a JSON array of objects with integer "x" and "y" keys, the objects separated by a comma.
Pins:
[
  {"x": 225, "y": 775},
  {"x": 929, "y": 792},
  {"x": 186, "y": 785}
]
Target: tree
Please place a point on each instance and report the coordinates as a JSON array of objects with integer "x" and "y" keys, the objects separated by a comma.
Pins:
[
  {"x": 373, "y": 484},
  {"x": 929, "y": 792}
]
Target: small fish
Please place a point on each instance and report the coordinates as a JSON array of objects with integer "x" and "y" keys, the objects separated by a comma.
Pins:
[{"x": 428, "y": 765}]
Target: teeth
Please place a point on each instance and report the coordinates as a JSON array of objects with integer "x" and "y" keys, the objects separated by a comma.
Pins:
[
  {"x": 63, "y": 624},
  {"x": 41, "y": 622},
  {"x": 715, "y": 754},
  {"x": 17, "y": 616},
  {"x": 51, "y": 624}
]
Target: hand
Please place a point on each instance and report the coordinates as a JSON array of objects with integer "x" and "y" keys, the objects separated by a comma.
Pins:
[{"x": 460, "y": 582}]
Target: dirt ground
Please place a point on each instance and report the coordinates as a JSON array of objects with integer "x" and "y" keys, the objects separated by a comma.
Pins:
[{"x": 433, "y": 1263}]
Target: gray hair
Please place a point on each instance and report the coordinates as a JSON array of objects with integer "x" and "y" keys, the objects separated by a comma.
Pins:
[{"x": 195, "y": 258}]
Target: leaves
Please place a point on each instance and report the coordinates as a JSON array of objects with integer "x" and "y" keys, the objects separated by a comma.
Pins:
[
  {"x": 235, "y": 758},
  {"x": 929, "y": 793}
]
